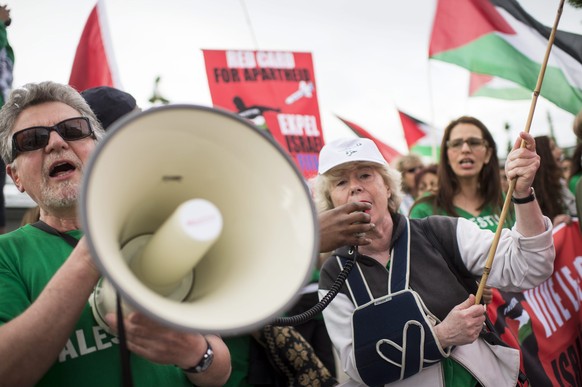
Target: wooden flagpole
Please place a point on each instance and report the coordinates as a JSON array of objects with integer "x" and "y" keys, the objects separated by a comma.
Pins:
[{"x": 506, "y": 204}]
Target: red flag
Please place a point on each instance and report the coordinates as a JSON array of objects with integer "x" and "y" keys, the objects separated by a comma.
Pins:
[
  {"x": 420, "y": 137},
  {"x": 413, "y": 129},
  {"x": 387, "y": 151},
  {"x": 94, "y": 65},
  {"x": 458, "y": 23},
  {"x": 497, "y": 37}
]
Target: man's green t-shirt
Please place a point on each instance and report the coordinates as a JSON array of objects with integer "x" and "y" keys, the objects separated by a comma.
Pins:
[
  {"x": 239, "y": 347},
  {"x": 29, "y": 258}
]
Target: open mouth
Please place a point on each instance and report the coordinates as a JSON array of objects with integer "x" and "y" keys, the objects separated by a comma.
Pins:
[
  {"x": 61, "y": 169},
  {"x": 466, "y": 162},
  {"x": 366, "y": 201}
]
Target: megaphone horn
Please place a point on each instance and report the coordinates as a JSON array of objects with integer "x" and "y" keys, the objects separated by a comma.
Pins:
[{"x": 197, "y": 219}]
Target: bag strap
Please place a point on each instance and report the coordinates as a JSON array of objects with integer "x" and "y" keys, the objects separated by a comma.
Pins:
[
  {"x": 357, "y": 285},
  {"x": 51, "y": 230},
  {"x": 399, "y": 271},
  {"x": 400, "y": 261}
]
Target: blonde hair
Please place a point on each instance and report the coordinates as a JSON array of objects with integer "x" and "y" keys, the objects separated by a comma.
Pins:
[
  {"x": 322, "y": 184},
  {"x": 408, "y": 159}
]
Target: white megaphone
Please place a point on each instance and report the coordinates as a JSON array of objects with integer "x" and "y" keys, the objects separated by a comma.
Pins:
[{"x": 197, "y": 219}]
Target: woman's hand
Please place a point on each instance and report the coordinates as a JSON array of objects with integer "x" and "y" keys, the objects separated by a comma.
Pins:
[
  {"x": 522, "y": 164},
  {"x": 521, "y": 167},
  {"x": 462, "y": 325}
]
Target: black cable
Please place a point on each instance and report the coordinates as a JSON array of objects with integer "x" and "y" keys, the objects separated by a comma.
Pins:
[
  {"x": 123, "y": 350},
  {"x": 324, "y": 302}
]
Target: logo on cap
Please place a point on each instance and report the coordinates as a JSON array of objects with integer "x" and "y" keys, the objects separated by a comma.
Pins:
[{"x": 353, "y": 149}]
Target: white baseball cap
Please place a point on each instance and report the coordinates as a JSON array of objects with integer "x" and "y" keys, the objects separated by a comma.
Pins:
[{"x": 346, "y": 150}]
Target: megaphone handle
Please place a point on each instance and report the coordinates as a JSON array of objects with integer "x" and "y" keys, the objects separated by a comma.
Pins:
[{"x": 324, "y": 302}]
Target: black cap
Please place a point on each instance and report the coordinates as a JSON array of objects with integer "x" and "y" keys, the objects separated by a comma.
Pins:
[{"x": 109, "y": 103}]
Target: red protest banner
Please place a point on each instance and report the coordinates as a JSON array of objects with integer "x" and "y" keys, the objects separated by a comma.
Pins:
[
  {"x": 545, "y": 322},
  {"x": 276, "y": 90}
]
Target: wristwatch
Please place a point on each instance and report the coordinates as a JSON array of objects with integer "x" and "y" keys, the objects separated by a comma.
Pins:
[
  {"x": 204, "y": 363},
  {"x": 527, "y": 199}
]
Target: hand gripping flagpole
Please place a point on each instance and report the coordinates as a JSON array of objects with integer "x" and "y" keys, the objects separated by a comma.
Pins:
[{"x": 536, "y": 93}]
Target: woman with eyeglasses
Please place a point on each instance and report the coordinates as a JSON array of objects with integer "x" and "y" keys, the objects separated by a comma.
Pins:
[{"x": 469, "y": 180}]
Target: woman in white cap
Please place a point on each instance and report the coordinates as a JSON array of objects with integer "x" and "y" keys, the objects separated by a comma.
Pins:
[{"x": 407, "y": 314}]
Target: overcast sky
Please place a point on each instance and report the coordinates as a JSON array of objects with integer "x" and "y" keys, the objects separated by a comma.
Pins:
[{"x": 370, "y": 56}]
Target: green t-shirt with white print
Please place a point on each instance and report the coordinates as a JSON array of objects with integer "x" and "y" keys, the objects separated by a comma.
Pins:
[{"x": 29, "y": 258}]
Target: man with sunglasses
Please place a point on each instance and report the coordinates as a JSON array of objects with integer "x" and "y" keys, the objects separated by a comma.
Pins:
[{"x": 47, "y": 332}]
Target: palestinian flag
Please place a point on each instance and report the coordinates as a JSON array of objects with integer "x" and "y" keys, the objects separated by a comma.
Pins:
[
  {"x": 497, "y": 37},
  {"x": 387, "y": 151},
  {"x": 482, "y": 85},
  {"x": 421, "y": 138},
  {"x": 94, "y": 64}
]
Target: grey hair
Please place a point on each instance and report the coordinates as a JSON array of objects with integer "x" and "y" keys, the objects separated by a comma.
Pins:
[
  {"x": 34, "y": 94},
  {"x": 322, "y": 184}
]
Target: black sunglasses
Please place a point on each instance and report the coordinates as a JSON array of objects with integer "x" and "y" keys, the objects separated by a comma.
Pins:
[{"x": 37, "y": 137}]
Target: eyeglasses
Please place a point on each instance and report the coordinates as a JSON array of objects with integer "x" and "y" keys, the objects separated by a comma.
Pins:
[
  {"x": 473, "y": 143},
  {"x": 37, "y": 137}
]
